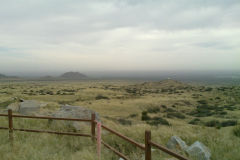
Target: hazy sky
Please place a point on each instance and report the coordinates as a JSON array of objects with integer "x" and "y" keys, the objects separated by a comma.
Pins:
[{"x": 92, "y": 35}]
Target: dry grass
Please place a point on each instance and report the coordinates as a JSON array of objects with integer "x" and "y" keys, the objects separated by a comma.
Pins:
[{"x": 120, "y": 104}]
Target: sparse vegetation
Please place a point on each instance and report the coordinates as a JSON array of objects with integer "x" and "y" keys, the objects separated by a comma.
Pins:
[
  {"x": 229, "y": 123},
  {"x": 195, "y": 121},
  {"x": 98, "y": 97},
  {"x": 6, "y": 103},
  {"x": 213, "y": 123},
  {"x": 124, "y": 121},
  {"x": 157, "y": 121},
  {"x": 145, "y": 116},
  {"x": 218, "y": 124},
  {"x": 236, "y": 131},
  {"x": 153, "y": 109},
  {"x": 176, "y": 115},
  {"x": 193, "y": 112}
]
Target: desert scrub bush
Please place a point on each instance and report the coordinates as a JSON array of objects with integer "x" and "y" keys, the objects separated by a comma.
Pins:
[
  {"x": 202, "y": 102},
  {"x": 195, "y": 121},
  {"x": 6, "y": 103},
  {"x": 64, "y": 102},
  {"x": 206, "y": 110},
  {"x": 124, "y": 121},
  {"x": 213, "y": 123},
  {"x": 145, "y": 116},
  {"x": 201, "y": 113},
  {"x": 98, "y": 97},
  {"x": 176, "y": 115},
  {"x": 154, "y": 109},
  {"x": 208, "y": 89},
  {"x": 50, "y": 92},
  {"x": 236, "y": 131},
  {"x": 229, "y": 123},
  {"x": 170, "y": 110},
  {"x": 222, "y": 113},
  {"x": 230, "y": 108},
  {"x": 68, "y": 90},
  {"x": 218, "y": 124},
  {"x": 133, "y": 115},
  {"x": 155, "y": 121},
  {"x": 164, "y": 106}
]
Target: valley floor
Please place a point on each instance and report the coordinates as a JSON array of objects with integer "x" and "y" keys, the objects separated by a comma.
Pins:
[{"x": 209, "y": 114}]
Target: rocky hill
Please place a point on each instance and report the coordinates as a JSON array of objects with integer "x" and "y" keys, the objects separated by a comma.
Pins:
[
  {"x": 2, "y": 76},
  {"x": 73, "y": 75}
]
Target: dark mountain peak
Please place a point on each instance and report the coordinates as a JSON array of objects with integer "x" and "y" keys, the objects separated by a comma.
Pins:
[
  {"x": 2, "y": 76},
  {"x": 73, "y": 75}
]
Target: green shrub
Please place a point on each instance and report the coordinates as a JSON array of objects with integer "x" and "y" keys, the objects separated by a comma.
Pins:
[
  {"x": 216, "y": 123},
  {"x": 98, "y": 97},
  {"x": 176, "y": 115},
  {"x": 6, "y": 103},
  {"x": 195, "y": 121},
  {"x": 158, "y": 120},
  {"x": 230, "y": 108},
  {"x": 236, "y": 131},
  {"x": 50, "y": 92},
  {"x": 208, "y": 89},
  {"x": 124, "y": 121},
  {"x": 133, "y": 115},
  {"x": 201, "y": 112},
  {"x": 170, "y": 110},
  {"x": 206, "y": 110},
  {"x": 229, "y": 123},
  {"x": 145, "y": 117},
  {"x": 153, "y": 110},
  {"x": 163, "y": 106},
  {"x": 213, "y": 123},
  {"x": 202, "y": 101},
  {"x": 222, "y": 113}
]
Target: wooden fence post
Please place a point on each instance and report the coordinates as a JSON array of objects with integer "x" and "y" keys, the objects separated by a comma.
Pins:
[
  {"x": 10, "y": 126},
  {"x": 148, "y": 155},
  {"x": 93, "y": 126}
]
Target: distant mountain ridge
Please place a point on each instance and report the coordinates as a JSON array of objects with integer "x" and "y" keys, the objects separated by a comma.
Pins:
[
  {"x": 73, "y": 75},
  {"x": 2, "y": 76}
]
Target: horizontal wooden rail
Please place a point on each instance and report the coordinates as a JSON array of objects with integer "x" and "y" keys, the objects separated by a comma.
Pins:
[
  {"x": 166, "y": 150},
  {"x": 52, "y": 132},
  {"x": 115, "y": 151},
  {"x": 44, "y": 117},
  {"x": 4, "y": 115},
  {"x": 124, "y": 137},
  {"x": 52, "y": 118},
  {"x": 146, "y": 147}
]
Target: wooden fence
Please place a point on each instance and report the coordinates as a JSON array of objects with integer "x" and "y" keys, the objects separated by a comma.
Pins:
[{"x": 147, "y": 147}]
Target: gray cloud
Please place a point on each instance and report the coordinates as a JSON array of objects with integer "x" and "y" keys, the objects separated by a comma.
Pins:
[{"x": 119, "y": 34}]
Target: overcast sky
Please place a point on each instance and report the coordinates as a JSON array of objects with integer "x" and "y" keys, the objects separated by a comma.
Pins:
[{"x": 94, "y": 35}]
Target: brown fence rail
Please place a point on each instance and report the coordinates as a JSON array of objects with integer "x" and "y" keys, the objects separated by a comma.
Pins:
[
  {"x": 11, "y": 128},
  {"x": 147, "y": 147},
  {"x": 149, "y": 144},
  {"x": 115, "y": 151},
  {"x": 124, "y": 137}
]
